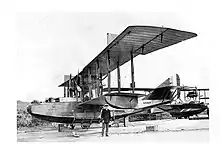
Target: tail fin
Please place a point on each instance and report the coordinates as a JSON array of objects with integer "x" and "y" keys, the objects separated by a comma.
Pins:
[
  {"x": 178, "y": 84},
  {"x": 165, "y": 90},
  {"x": 166, "y": 83},
  {"x": 177, "y": 80}
]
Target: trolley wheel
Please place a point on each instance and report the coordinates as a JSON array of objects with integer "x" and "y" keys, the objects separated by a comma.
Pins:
[
  {"x": 85, "y": 126},
  {"x": 72, "y": 126}
]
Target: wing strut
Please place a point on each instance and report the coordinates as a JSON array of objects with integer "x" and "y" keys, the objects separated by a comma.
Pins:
[
  {"x": 90, "y": 83},
  {"x": 119, "y": 76},
  {"x": 97, "y": 78},
  {"x": 109, "y": 72},
  {"x": 132, "y": 71},
  {"x": 69, "y": 86},
  {"x": 81, "y": 83}
]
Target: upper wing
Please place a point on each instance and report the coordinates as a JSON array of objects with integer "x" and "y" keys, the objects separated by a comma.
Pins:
[{"x": 136, "y": 39}]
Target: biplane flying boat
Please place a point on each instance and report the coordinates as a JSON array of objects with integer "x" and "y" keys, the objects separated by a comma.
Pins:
[
  {"x": 87, "y": 86},
  {"x": 193, "y": 102}
]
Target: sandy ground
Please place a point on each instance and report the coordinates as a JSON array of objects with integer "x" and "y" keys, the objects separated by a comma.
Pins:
[{"x": 181, "y": 130}]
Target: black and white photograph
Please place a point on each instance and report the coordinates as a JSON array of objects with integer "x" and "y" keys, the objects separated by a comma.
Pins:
[
  {"x": 112, "y": 76},
  {"x": 132, "y": 75}
]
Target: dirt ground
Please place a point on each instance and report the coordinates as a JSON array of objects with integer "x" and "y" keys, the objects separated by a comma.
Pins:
[{"x": 181, "y": 130}]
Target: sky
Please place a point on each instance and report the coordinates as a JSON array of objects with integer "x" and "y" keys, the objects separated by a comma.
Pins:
[{"x": 50, "y": 45}]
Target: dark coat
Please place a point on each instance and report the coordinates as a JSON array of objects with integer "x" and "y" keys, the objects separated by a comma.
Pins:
[{"x": 106, "y": 115}]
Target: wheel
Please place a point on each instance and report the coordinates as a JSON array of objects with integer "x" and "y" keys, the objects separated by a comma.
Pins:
[
  {"x": 72, "y": 126},
  {"x": 117, "y": 124},
  {"x": 85, "y": 126}
]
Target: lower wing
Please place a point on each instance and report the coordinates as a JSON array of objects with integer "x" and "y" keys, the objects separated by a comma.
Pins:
[{"x": 140, "y": 110}]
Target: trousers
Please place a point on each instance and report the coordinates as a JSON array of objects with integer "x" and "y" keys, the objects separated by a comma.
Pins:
[{"x": 105, "y": 128}]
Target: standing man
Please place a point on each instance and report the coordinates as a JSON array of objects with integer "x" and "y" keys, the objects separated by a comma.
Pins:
[{"x": 105, "y": 116}]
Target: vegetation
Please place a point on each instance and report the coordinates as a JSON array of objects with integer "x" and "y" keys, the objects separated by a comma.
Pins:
[{"x": 24, "y": 119}]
